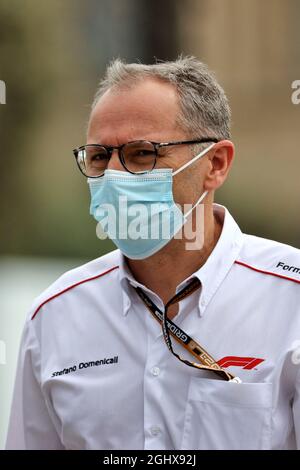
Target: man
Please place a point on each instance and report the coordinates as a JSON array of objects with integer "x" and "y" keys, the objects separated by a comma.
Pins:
[{"x": 167, "y": 342}]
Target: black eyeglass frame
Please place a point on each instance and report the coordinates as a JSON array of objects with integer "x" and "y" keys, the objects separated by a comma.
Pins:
[{"x": 156, "y": 145}]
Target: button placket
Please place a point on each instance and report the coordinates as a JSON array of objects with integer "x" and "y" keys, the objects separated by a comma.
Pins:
[
  {"x": 155, "y": 430},
  {"x": 155, "y": 371},
  {"x": 153, "y": 390}
]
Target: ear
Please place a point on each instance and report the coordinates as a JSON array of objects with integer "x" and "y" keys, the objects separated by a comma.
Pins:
[{"x": 220, "y": 159}]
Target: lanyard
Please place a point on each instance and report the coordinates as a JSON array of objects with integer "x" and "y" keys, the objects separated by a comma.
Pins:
[{"x": 168, "y": 327}]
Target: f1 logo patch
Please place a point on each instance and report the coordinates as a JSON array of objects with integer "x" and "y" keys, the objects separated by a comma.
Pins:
[{"x": 244, "y": 362}]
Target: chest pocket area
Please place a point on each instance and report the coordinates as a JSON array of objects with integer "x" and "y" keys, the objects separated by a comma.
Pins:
[{"x": 224, "y": 415}]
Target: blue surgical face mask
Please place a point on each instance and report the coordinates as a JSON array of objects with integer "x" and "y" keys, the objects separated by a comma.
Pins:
[{"x": 138, "y": 211}]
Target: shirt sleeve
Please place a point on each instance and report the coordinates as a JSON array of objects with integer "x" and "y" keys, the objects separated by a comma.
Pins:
[
  {"x": 30, "y": 425},
  {"x": 296, "y": 411}
]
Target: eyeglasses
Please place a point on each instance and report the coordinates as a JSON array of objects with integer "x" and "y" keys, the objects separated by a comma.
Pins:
[{"x": 136, "y": 157}]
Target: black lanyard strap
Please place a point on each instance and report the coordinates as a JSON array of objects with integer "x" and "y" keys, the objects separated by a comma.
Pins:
[{"x": 169, "y": 328}]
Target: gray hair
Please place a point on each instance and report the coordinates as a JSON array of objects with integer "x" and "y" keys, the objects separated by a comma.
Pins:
[{"x": 203, "y": 103}]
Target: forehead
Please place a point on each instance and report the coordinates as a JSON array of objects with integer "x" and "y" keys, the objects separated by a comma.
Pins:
[{"x": 146, "y": 110}]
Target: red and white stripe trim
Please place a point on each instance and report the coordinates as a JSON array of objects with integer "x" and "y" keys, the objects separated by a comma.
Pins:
[{"x": 69, "y": 288}]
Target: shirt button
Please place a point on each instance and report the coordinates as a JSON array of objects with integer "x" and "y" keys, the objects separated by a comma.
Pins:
[
  {"x": 155, "y": 430},
  {"x": 203, "y": 303},
  {"x": 155, "y": 371}
]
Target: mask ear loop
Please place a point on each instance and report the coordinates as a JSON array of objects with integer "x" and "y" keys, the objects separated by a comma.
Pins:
[
  {"x": 201, "y": 154},
  {"x": 203, "y": 195}
]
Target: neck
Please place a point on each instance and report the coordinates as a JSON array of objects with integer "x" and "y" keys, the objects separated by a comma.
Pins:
[{"x": 163, "y": 271}]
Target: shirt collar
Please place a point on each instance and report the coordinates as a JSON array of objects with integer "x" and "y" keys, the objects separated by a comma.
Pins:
[
  {"x": 221, "y": 259},
  {"x": 211, "y": 274},
  {"x": 127, "y": 281}
]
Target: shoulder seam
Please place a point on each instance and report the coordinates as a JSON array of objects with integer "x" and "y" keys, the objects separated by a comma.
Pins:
[
  {"x": 69, "y": 288},
  {"x": 270, "y": 273}
]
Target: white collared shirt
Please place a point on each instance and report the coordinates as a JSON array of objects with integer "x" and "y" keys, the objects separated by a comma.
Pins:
[{"x": 94, "y": 371}]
